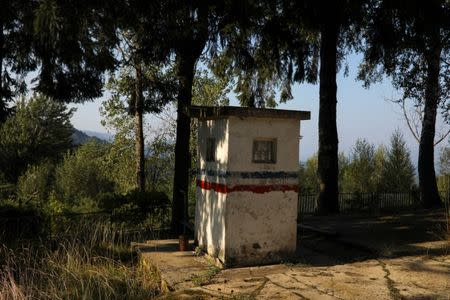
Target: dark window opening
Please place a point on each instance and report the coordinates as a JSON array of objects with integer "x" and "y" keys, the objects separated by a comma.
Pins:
[
  {"x": 264, "y": 151},
  {"x": 210, "y": 149}
]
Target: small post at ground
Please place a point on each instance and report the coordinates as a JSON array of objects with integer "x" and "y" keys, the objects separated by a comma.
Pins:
[{"x": 183, "y": 238}]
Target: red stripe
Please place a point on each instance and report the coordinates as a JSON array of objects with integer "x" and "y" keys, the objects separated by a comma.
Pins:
[
  {"x": 218, "y": 187},
  {"x": 259, "y": 189}
]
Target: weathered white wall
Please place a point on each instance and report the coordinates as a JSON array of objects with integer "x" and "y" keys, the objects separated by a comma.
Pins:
[
  {"x": 217, "y": 129},
  {"x": 262, "y": 228},
  {"x": 248, "y": 227},
  {"x": 210, "y": 205},
  {"x": 210, "y": 222},
  {"x": 242, "y": 132}
]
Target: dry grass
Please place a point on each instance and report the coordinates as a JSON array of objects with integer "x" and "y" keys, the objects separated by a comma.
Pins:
[
  {"x": 447, "y": 220},
  {"x": 93, "y": 263},
  {"x": 446, "y": 227}
]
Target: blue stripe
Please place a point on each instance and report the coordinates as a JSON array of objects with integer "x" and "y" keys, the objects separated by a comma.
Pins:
[{"x": 248, "y": 175}]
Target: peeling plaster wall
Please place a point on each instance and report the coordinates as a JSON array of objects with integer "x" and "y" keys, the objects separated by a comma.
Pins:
[{"x": 262, "y": 227}]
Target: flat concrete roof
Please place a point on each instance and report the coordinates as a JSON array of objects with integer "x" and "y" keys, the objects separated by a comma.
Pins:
[{"x": 220, "y": 112}]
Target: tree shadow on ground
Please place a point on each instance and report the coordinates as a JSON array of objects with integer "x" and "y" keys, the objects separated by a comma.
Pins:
[{"x": 340, "y": 239}]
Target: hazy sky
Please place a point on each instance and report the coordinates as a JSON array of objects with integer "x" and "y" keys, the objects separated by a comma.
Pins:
[{"x": 361, "y": 113}]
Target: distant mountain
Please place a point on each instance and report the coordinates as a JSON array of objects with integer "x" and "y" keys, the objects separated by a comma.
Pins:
[
  {"x": 79, "y": 137},
  {"x": 101, "y": 135}
]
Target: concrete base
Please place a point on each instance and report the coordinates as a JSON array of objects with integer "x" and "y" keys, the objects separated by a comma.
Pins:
[{"x": 176, "y": 268}]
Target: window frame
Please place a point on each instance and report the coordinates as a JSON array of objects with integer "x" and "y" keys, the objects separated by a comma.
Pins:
[
  {"x": 273, "y": 142},
  {"x": 211, "y": 142}
]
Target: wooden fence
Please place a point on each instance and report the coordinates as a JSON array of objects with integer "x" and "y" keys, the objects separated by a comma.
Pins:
[{"x": 367, "y": 202}]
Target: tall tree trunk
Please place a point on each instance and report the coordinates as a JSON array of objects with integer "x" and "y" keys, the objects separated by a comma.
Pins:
[
  {"x": 185, "y": 73},
  {"x": 327, "y": 201},
  {"x": 3, "y": 109},
  {"x": 139, "y": 132},
  {"x": 190, "y": 48},
  {"x": 429, "y": 194}
]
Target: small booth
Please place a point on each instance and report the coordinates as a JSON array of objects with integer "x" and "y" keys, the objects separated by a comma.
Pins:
[{"x": 247, "y": 183}]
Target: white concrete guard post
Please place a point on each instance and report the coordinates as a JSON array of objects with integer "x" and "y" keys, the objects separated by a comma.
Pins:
[{"x": 247, "y": 183}]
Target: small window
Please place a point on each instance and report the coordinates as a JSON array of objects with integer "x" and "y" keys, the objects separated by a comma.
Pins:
[
  {"x": 210, "y": 149},
  {"x": 264, "y": 151}
]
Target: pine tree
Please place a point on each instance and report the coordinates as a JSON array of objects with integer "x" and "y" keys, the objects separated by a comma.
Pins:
[
  {"x": 177, "y": 32},
  {"x": 398, "y": 171},
  {"x": 359, "y": 176},
  {"x": 39, "y": 130},
  {"x": 16, "y": 55},
  {"x": 409, "y": 41},
  {"x": 73, "y": 43},
  {"x": 281, "y": 43}
]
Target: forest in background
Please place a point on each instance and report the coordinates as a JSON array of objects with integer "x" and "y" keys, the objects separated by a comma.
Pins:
[{"x": 147, "y": 54}]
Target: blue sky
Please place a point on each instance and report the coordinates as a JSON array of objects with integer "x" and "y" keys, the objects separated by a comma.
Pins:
[{"x": 361, "y": 113}]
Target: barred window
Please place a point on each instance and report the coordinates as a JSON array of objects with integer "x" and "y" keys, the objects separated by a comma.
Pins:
[
  {"x": 264, "y": 151},
  {"x": 210, "y": 149}
]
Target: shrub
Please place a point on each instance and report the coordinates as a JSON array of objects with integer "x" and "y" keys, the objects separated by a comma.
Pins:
[
  {"x": 110, "y": 201},
  {"x": 35, "y": 185},
  {"x": 147, "y": 200},
  {"x": 135, "y": 199},
  {"x": 39, "y": 130},
  {"x": 7, "y": 191},
  {"x": 81, "y": 176},
  {"x": 143, "y": 210},
  {"x": 21, "y": 223}
]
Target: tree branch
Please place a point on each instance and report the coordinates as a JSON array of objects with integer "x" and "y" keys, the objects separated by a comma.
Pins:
[
  {"x": 442, "y": 138},
  {"x": 408, "y": 122}
]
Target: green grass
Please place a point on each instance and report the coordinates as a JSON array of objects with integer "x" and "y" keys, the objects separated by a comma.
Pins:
[
  {"x": 88, "y": 265},
  {"x": 206, "y": 278}
]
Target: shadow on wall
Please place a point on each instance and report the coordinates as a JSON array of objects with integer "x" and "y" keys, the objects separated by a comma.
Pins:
[{"x": 210, "y": 205}]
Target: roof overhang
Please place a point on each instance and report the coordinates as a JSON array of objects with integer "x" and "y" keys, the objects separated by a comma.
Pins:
[{"x": 221, "y": 112}]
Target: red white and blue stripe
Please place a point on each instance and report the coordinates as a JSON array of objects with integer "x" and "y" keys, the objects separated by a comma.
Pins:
[{"x": 256, "y": 182}]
